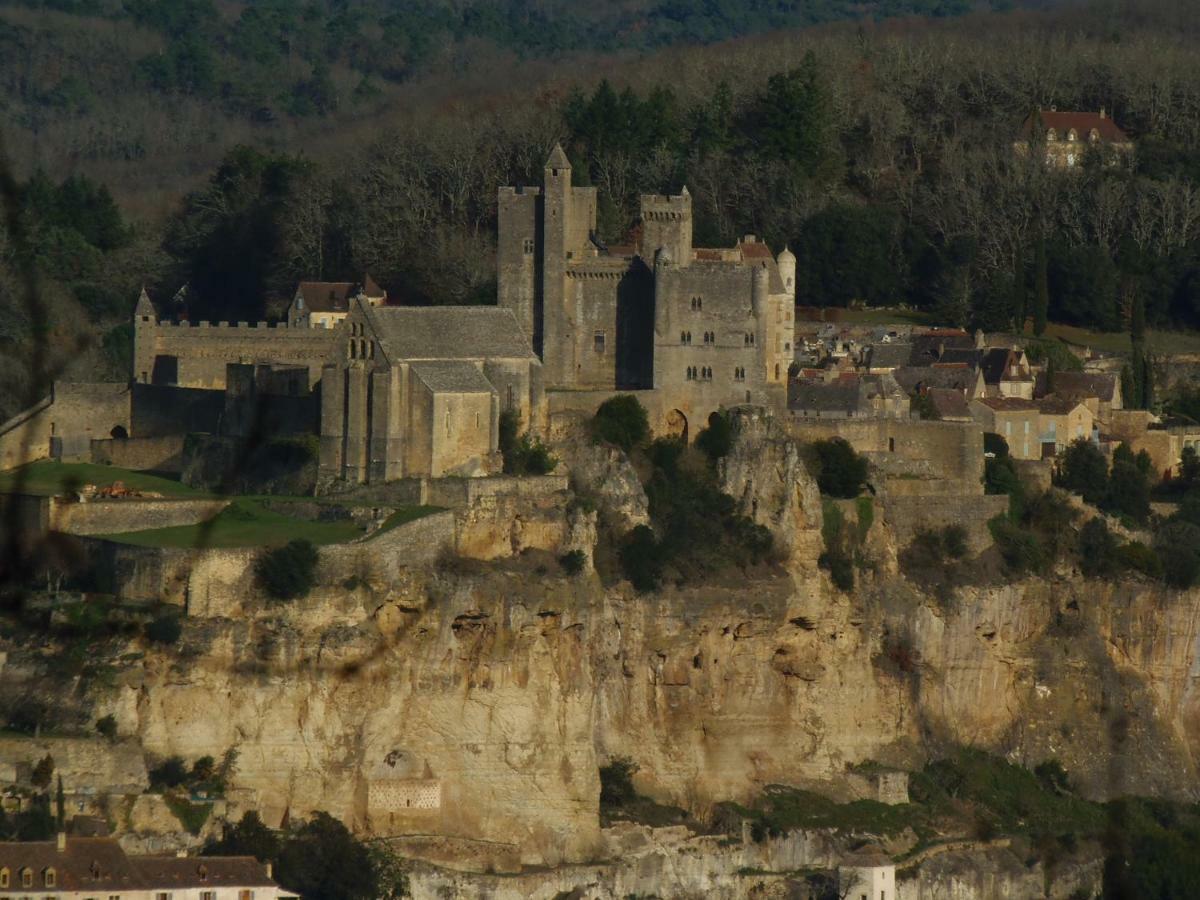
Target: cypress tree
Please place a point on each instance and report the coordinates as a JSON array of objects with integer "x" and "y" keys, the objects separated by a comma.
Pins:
[
  {"x": 1019, "y": 299},
  {"x": 1041, "y": 298},
  {"x": 1140, "y": 364}
]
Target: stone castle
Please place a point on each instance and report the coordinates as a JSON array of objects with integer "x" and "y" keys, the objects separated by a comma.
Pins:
[{"x": 410, "y": 391}]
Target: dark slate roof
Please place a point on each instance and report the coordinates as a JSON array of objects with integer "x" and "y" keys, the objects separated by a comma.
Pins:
[
  {"x": 1053, "y": 405},
  {"x": 326, "y": 296},
  {"x": 967, "y": 356},
  {"x": 949, "y": 403},
  {"x": 452, "y": 377},
  {"x": 87, "y": 864},
  {"x": 928, "y": 348},
  {"x": 913, "y": 377},
  {"x": 448, "y": 332},
  {"x": 180, "y": 873},
  {"x": 1082, "y": 122},
  {"x": 1008, "y": 404},
  {"x": 888, "y": 356},
  {"x": 1085, "y": 384},
  {"x": 838, "y": 396},
  {"x": 993, "y": 363}
]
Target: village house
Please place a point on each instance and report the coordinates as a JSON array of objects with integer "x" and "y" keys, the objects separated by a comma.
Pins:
[
  {"x": 1014, "y": 419},
  {"x": 867, "y": 875},
  {"x": 918, "y": 379},
  {"x": 1066, "y": 137},
  {"x": 96, "y": 868},
  {"x": 1007, "y": 373},
  {"x": 1062, "y": 420},
  {"x": 1163, "y": 440},
  {"x": 848, "y": 397},
  {"x": 323, "y": 304},
  {"x": 1100, "y": 391},
  {"x": 949, "y": 404}
]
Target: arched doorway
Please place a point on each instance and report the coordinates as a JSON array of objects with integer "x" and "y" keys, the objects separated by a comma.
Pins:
[
  {"x": 119, "y": 433},
  {"x": 677, "y": 425}
]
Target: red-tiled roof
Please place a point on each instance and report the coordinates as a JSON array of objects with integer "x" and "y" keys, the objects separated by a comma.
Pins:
[
  {"x": 1082, "y": 122},
  {"x": 755, "y": 251},
  {"x": 704, "y": 254}
]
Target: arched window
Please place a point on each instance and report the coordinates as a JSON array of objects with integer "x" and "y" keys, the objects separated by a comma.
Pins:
[
  {"x": 683, "y": 337},
  {"x": 5, "y": 876},
  {"x": 1052, "y": 135},
  {"x": 1072, "y": 135},
  {"x": 362, "y": 348},
  {"x": 50, "y": 877},
  {"x": 776, "y": 371},
  {"x": 689, "y": 334},
  {"x": 353, "y": 349},
  {"x": 371, "y": 347},
  {"x": 27, "y": 878},
  {"x": 1094, "y": 135}
]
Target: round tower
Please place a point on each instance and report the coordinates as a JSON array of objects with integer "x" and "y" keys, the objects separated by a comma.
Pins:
[
  {"x": 787, "y": 271},
  {"x": 759, "y": 289}
]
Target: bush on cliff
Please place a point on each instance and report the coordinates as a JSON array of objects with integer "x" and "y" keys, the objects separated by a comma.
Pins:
[
  {"x": 717, "y": 439},
  {"x": 164, "y": 629},
  {"x": 287, "y": 572},
  {"x": 621, "y": 421},
  {"x": 840, "y": 472},
  {"x": 523, "y": 454}
]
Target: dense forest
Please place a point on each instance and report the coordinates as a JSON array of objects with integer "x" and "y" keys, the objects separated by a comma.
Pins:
[{"x": 879, "y": 149}]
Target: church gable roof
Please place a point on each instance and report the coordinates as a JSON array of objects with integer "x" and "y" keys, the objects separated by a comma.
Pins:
[
  {"x": 448, "y": 332},
  {"x": 452, "y": 377}
]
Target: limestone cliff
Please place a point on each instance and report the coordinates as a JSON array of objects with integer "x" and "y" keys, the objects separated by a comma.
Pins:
[{"x": 468, "y": 706}]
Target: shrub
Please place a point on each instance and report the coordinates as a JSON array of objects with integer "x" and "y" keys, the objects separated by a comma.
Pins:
[
  {"x": 1053, "y": 776},
  {"x": 1178, "y": 547},
  {"x": 523, "y": 454},
  {"x": 1128, "y": 491},
  {"x": 43, "y": 772},
  {"x": 954, "y": 541},
  {"x": 995, "y": 444},
  {"x": 107, "y": 727},
  {"x": 1020, "y": 547},
  {"x": 287, "y": 572},
  {"x": 323, "y": 861},
  {"x": 840, "y": 567},
  {"x": 165, "y": 629},
  {"x": 170, "y": 773},
  {"x": 641, "y": 559},
  {"x": 1000, "y": 476},
  {"x": 573, "y": 561},
  {"x": 1083, "y": 470},
  {"x": 717, "y": 439},
  {"x": 840, "y": 471},
  {"x": 1097, "y": 549},
  {"x": 1137, "y": 557},
  {"x": 622, "y": 421},
  {"x": 616, "y": 782}
]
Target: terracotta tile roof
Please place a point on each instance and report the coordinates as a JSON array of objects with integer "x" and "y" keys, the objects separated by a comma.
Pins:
[
  {"x": 1082, "y": 122},
  {"x": 706, "y": 255},
  {"x": 755, "y": 251}
]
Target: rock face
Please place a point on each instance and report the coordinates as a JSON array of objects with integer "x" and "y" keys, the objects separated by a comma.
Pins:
[{"x": 467, "y": 708}]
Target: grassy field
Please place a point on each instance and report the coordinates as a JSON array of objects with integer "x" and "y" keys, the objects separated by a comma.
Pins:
[
  {"x": 403, "y": 515},
  {"x": 244, "y": 523},
  {"x": 48, "y": 477}
]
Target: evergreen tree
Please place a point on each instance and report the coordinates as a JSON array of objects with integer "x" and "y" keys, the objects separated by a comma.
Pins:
[
  {"x": 1041, "y": 299},
  {"x": 1019, "y": 299},
  {"x": 1140, "y": 364}
]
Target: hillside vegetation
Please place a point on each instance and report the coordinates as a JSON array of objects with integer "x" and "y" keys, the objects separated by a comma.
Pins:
[{"x": 317, "y": 143}]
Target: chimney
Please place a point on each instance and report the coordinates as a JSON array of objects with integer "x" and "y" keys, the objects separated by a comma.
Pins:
[
  {"x": 62, "y": 842},
  {"x": 1103, "y": 113},
  {"x": 270, "y": 873}
]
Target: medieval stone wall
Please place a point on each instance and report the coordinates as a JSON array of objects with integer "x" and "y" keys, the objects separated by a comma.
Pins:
[
  {"x": 118, "y": 516},
  {"x": 154, "y": 454},
  {"x": 202, "y": 350},
  {"x": 909, "y": 515},
  {"x": 163, "y": 410}
]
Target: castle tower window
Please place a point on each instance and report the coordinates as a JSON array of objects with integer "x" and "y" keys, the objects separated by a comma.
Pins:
[
  {"x": 511, "y": 401},
  {"x": 598, "y": 342},
  {"x": 683, "y": 337},
  {"x": 776, "y": 371},
  {"x": 371, "y": 346},
  {"x": 528, "y": 246},
  {"x": 689, "y": 337},
  {"x": 353, "y": 349}
]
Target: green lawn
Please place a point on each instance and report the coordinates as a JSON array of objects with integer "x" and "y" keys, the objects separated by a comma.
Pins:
[
  {"x": 52, "y": 478},
  {"x": 244, "y": 523}
]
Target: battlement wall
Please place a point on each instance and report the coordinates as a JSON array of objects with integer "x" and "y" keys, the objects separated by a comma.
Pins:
[{"x": 203, "y": 349}]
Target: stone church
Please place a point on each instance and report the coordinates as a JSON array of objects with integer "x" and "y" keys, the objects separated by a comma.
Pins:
[{"x": 418, "y": 391}]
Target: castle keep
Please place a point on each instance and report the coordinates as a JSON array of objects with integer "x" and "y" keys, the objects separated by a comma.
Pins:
[{"x": 695, "y": 328}]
